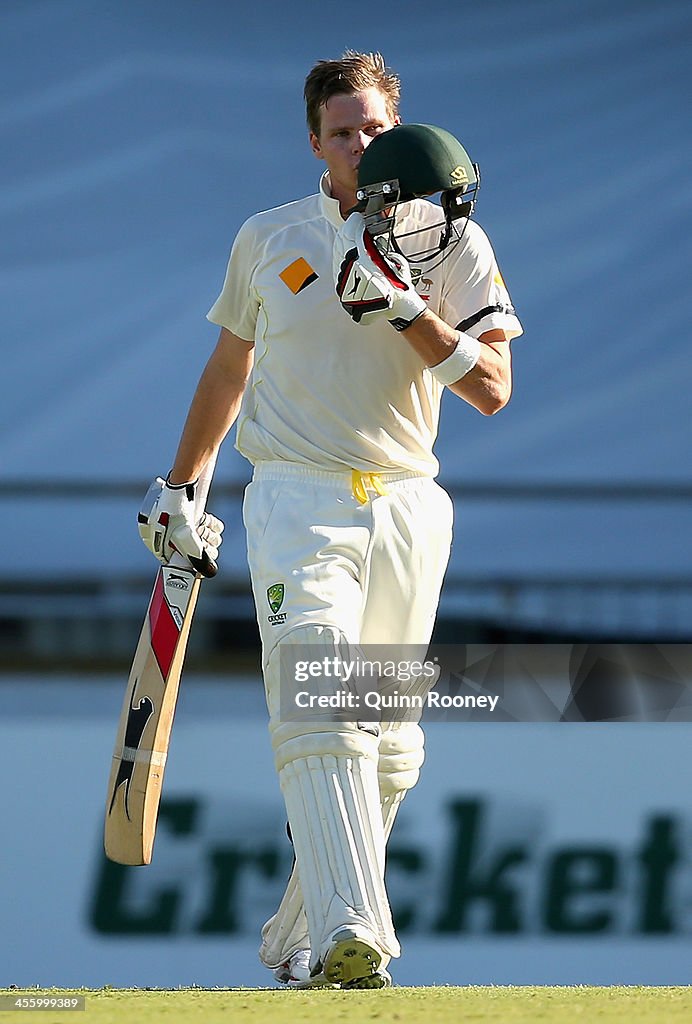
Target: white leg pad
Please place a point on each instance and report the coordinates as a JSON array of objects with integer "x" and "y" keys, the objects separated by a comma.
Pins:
[
  {"x": 287, "y": 931},
  {"x": 333, "y": 807},
  {"x": 400, "y": 758}
]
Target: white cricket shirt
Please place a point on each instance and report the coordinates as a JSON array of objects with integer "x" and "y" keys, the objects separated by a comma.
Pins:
[{"x": 324, "y": 391}]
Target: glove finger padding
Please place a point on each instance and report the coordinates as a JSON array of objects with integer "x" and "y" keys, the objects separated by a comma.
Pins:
[
  {"x": 187, "y": 541},
  {"x": 210, "y": 529},
  {"x": 370, "y": 283},
  {"x": 361, "y": 292},
  {"x": 395, "y": 269}
]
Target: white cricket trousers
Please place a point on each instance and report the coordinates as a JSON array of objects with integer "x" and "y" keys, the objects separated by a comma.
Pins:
[{"x": 318, "y": 555}]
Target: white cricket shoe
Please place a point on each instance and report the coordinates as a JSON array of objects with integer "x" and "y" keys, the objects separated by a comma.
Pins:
[
  {"x": 295, "y": 972},
  {"x": 354, "y": 960}
]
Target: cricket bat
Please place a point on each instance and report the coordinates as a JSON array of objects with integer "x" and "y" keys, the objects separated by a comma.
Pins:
[{"x": 146, "y": 719}]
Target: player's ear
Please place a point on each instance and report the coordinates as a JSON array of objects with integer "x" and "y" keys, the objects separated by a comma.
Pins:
[{"x": 315, "y": 146}]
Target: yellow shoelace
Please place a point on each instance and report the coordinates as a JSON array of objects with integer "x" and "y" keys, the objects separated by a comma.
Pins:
[{"x": 360, "y": 483}]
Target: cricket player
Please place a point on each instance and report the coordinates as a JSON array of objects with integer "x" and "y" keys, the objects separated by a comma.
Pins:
[{"x": 343, "y": 318}]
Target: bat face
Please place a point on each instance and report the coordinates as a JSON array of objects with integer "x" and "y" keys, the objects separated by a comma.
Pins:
[
  {"x": 141, "y": 745},
  {"x": 136, "y": 723}
]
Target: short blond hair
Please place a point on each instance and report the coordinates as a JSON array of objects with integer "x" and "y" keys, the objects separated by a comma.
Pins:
[{"x": 352, "y": 72}]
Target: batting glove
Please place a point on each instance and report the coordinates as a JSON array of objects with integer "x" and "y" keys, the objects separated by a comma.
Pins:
[
  {"x": 169, "y": 522},
  {"x": 373, "y": 285}
]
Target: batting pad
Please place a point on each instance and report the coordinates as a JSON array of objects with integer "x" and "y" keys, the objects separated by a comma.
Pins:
[
  {"x": 400, "y": 758},
  {"x": 287, "y": 930},
  {"x": 333, "y": 808},
  {"x": 390, "y": 756}
]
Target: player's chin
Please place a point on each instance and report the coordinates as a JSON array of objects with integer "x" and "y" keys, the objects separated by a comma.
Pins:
[{"x": 349, "y": 172}]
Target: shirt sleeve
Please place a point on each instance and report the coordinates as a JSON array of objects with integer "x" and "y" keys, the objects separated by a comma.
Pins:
[
  {"x": 237, "y": 306},
  {"x": 475, "y": 298}
]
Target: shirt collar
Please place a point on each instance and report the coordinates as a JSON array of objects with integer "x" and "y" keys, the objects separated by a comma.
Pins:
[{"x": 330, "y": 206}]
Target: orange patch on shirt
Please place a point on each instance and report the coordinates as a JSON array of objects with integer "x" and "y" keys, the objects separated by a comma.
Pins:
[{"x": 298, "y": 275}]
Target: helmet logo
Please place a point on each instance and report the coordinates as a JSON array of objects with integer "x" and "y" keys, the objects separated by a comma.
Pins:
[{"x": 459, "y": 176}]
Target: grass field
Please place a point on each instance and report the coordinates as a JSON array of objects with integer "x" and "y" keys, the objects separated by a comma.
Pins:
[{"x": 475, "y": 1005}]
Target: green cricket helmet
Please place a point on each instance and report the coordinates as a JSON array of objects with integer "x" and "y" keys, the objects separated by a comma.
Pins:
[{"x": 408, "y": 162}]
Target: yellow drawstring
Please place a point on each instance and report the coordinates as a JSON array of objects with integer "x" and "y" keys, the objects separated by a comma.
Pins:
[{"x": 360, "y": 483}]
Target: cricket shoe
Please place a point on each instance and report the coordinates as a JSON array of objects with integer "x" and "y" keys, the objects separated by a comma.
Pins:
[
  {"x": 353, "y": 961},
  {"x": 295, "y": 972}
]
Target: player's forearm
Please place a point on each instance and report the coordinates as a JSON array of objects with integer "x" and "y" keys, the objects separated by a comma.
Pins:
[
  {"x": 487, "y": 386},
  {"x": 214, "y": 410},
  {"x": 211, "y": 416}
]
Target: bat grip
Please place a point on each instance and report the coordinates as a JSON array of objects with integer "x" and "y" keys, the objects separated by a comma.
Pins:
[{"x": 202, "y": 490}]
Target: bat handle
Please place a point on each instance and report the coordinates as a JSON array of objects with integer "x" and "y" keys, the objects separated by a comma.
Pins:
[{"x": 203, "y": 485}]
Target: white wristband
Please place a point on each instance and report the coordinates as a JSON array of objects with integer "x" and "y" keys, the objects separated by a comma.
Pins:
[{"x": 463, "y": 358}]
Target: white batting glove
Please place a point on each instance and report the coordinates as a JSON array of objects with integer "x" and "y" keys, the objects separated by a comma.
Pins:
[
  {"x": 169, "y": 522},
  {"x": 372, "y": 285}
]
